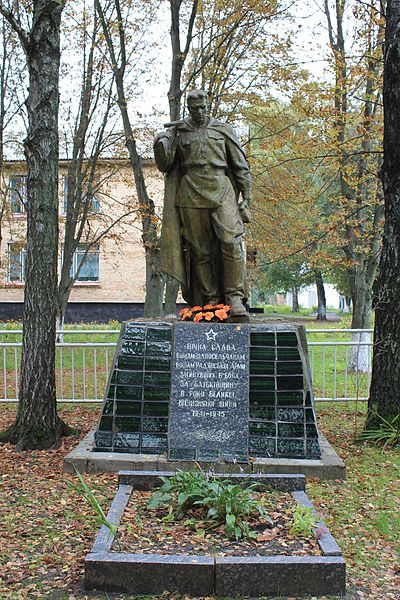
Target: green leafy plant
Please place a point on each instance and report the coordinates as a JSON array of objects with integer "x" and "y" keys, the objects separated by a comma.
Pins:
[
  {"x": 100, "y": 518},
  {"x": 196, "y": 494},
  {"x": 387, "y": 434},
  {"x": 305, "y": 521}
]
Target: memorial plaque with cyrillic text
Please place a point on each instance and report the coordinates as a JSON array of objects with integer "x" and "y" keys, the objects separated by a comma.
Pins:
[{"x": 209, "y": 406}]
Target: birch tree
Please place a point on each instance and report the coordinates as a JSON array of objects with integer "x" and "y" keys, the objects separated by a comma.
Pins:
[{"x": 37, "y": 424}]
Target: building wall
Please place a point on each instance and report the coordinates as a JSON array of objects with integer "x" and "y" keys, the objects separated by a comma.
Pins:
[{"x": 121, "y": 254}]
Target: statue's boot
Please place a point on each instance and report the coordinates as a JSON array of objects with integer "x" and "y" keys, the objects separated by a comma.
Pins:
[
  {"x": 233, "y": 262},
  {"x": 205, "y": 281}
]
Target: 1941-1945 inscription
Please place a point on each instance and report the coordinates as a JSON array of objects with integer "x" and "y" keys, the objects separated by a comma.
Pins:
[{"x": 209, "y": 411}]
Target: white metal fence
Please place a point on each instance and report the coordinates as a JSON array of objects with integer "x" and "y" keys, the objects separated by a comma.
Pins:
[{"x": 340, "y": 364}]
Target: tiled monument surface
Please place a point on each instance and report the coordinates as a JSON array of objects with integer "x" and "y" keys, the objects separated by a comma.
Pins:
[{"x": 250, "y": 380}]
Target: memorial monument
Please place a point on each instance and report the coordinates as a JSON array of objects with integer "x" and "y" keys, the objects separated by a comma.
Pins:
[
  {"x": 209, "y": 391},
  {"x": 207, "y": 199}
]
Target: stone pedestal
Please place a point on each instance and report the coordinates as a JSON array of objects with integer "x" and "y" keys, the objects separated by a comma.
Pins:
[{"x": 173, "y": 377}]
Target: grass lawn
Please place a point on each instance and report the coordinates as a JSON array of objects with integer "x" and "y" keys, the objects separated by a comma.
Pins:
[{"x": 47, "y": 528}]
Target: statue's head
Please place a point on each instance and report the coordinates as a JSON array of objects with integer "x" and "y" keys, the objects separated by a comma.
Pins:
[{"x": 197, "y": 102}]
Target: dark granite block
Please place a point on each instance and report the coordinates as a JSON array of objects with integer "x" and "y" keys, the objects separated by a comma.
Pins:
[
  {"x": 156, "y": 393},
  {"x": 311, "y": 431},
  {"x": 287, "y": 354},
  {"x": 129, "y": 362},
  {"x": 134, "y": 332},
  {"x": 129, "y": 377},
  {"x": 133, "y": 348},
  {"x": 291, "y": 447},
  {"x": 280, "y": 576},
  {"x": 313, "y": 448},
  {"x": 289, "y": 382},
  {"x": 155, "y": 409},
  {"x": 158, "y": 363},
  {"x": 106, "y": 424},
  {"x": 290, "y": 398},
  {"x": 128, "y": 392},
  {"x": 155, "y": 424},
  {"x": 108, "y": 407},
  {"x": 289, "y": 368},
  {"x": 262, "y": 428},
  {"x": 126, "y": 424},
  {"x": 147, "y": 480},
  {"x": 126, "y": 407},
  {"x": 262, "y": 383},
  {"x": 156, "y": 441},
  {"x": 260, "y": 353},
  {"x": 157, "y": 379},
  {"x": 103, "y": 439},
  {"x": 262, "y": 446},
  {"x": 286, "y": 338},
  {"x": 261, "y": 338},
  {"x": 290, "y": 430},
  {"x": 149, "y": 574},
  {"x": 262, "y": 412},
  {"x": 210, "y": 390},
  {"x": 158, "y": 349},
  {"x": 126, "y": 440},
  {"x": 160, "y": 333},
  {"x": 259, "y": 367},
  {"x": 293, "y": 415},
  {"x": 262, "y": 398}
]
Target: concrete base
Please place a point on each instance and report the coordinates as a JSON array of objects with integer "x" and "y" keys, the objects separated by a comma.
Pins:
[{"x": 330, "y": 466}]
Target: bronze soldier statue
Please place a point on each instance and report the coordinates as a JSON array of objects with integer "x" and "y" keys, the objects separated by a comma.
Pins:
[{"x": 207, "y": 198}]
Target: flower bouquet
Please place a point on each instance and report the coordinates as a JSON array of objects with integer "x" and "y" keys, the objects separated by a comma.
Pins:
[{"x": 209, "y": 313}]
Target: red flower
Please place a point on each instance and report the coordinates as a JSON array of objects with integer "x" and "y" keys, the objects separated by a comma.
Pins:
[
  {"x": 208, "y": 316},
  {"x": 198, "y": 317},
  {"x": 221, "y": 314},
  {"x": 196, "y": 308}
]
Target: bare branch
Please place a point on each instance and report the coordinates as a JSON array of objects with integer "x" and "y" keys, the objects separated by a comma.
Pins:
[{"x": 16, "y": 26}]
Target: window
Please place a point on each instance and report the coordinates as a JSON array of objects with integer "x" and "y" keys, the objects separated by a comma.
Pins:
[
  {"x": 94, "y": 202},
  {"x": 18, "y": 194},
  {"x": 86, "y": 267},
  {"x": 16, "y": 262},
  {"x": 64, "y": 189}
]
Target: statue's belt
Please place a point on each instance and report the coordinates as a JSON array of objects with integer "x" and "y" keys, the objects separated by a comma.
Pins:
[{"x": 202, "y": 170}]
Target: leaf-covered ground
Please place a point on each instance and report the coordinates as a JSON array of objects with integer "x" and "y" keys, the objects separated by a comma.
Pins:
[
  {"x": 144, "y": 530},
  {"x": 46, "y": 528}
]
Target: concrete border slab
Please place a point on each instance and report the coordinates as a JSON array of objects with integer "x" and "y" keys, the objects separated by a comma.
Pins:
[{"x": 83, "y": 459}]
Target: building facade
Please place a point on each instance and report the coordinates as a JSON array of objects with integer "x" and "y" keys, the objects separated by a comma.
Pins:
[{"x": 109, "y": 262}]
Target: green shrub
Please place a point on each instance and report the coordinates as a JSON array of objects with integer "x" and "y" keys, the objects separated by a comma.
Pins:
[{"x": 203, "y": 496}]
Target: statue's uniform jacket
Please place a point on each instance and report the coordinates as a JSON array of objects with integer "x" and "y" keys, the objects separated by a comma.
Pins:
[{"x": 205, "y": 169}]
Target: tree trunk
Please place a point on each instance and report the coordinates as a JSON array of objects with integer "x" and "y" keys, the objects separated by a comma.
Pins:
[
  {"x": 361, "y": 319},
  {"x": 37, "y": 425},
  {"x": 295, "y": 299},
  {"x": 154, "y": 277},
  {"x": 171, "y": 294},
  {"x": 384, "y": 399},
  {"x": 319, "y": 282},
  {"x": 174, "y": 98}
]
